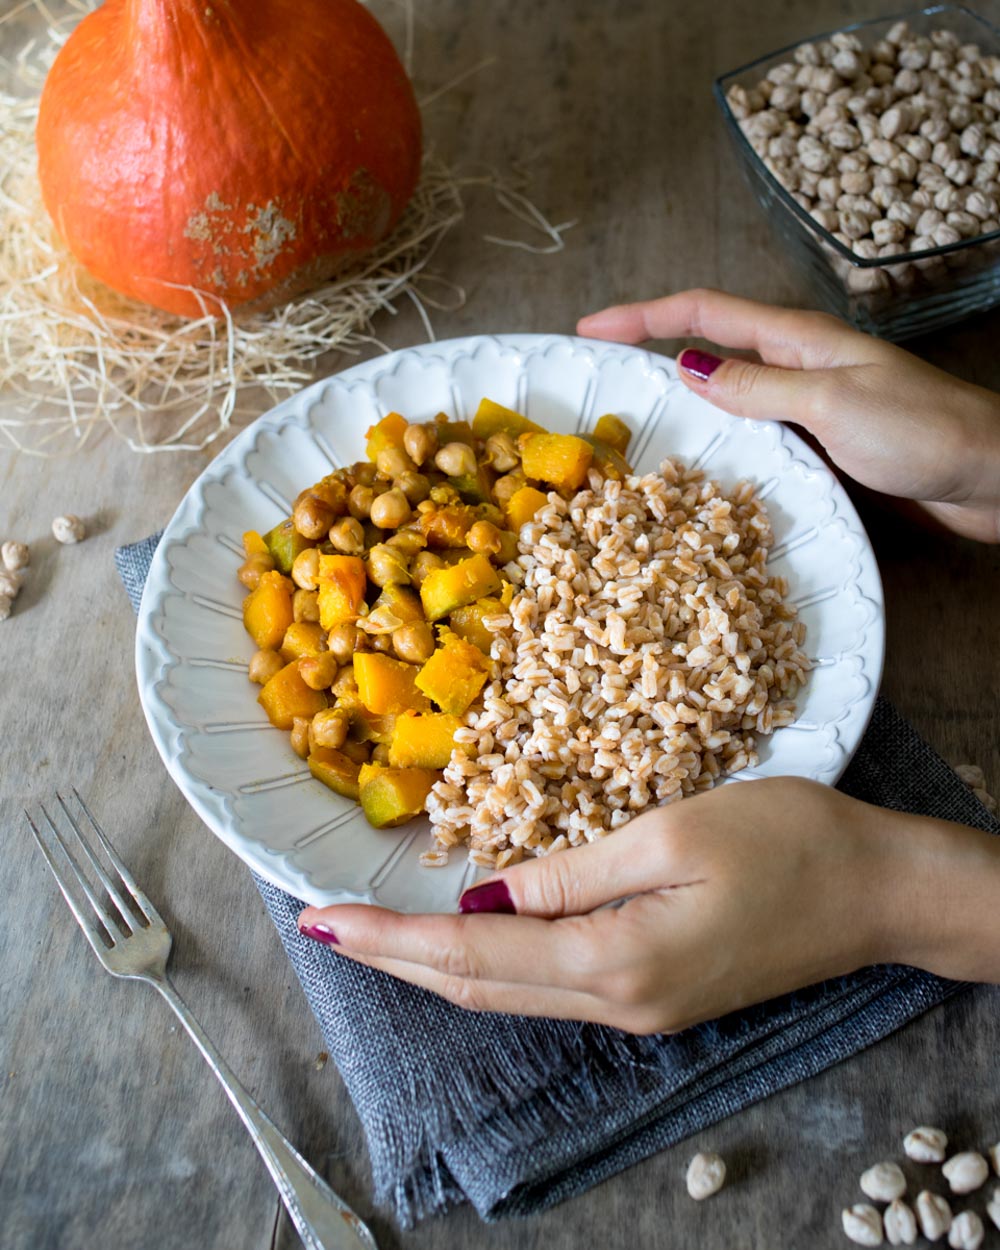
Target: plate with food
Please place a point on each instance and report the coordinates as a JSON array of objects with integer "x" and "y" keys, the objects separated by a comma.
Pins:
[{"x": 485, "y": 599}]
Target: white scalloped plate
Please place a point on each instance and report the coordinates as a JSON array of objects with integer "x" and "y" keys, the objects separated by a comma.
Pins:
[{"x": 242, "y": 777}]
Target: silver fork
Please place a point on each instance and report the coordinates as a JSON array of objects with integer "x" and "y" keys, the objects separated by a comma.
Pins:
[{"x": 132, "y": 941}]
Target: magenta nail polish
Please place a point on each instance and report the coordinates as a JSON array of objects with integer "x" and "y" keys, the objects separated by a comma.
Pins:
[
  {"x": 491, "y": 896},
  {"x": 319, "y": 933},
  {"x": 700, "y": 365}
]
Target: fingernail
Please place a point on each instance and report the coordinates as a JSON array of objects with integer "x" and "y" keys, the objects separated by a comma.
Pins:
[
  {"x": 700, "y": 365},
  {"x": 319, "y": 933},
  {"x": 490, "y": 896}
]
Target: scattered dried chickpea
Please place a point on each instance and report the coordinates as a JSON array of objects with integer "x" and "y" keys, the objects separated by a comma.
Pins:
[
  {"x": 305, "y": 605},
  {"x": 15, "y": 555},
  {"x": 329, "y": 728},
  {"x": 264, "y": 664},
  {"x": 456, "y": 460},
  {"x": 251, "y": 570},
  {"x": 501, "y": 452},
  {"x": 305, "y": 569},
  {"x": 10, "y": 583},
  {"x": 348, "y": 536},
  {"x": 319, "y": 671},
  {"x": 69, "y": 529},
  {"x": 391, "y": 510},
  {"x": 300, "y": 736},
  {"x": 420, "y": 442},
  {"x": 485, "y": 538},
  {"x": 414, "y": 642},
  {"x": 6, "y": 603}
]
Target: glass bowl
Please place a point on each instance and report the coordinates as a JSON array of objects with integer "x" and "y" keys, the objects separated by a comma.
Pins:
[{"x": 892, "y": 296}]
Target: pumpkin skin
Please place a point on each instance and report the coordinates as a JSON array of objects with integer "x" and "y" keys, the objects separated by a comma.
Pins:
[{"x": 247, "y": 148}]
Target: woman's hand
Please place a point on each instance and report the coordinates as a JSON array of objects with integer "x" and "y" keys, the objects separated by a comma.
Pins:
[
  {"x": 734, "y": 896},
  {"x": 894, "y": 423}
]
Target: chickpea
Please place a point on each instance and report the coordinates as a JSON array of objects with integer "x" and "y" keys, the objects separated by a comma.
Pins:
[
  {"x": 388, "y": 564},
  {"x": 407, "y": 541},
  {"x": 420, "y": 442},
  {"x": 380, "y": 755},
  {"x": 359, "y": 752},
  {"x": 311, "y": 516},
  {"x": 425, "y": 506},
  {"x": 348, "y": 536},
  {"x": 501, "y": 452},
  {"x": 359, "y": 502},
  {"x": 342, "y": 641},
  {"x": 485, "y": 538},
  {"x": 253, "y": 568},
  {"x": 414, "y": 642},
  {"x": 364, "y": 473},
  {"x": 346, "y": 686},
  {"x": 424, "y": 562},
  {"x": 305, "y": 605},
  {"x": 505, "y": 487},
  {"x": 264, "y": 664},
  {"x": 381, "y": 642},
  {"x": 394, "y": 462},
  {"x": 391, "y": 510},
  {"x": 456, "y": 460},
  {"x": 331, "y": 491},
  {"x": 305, "y": 569},
  {"x": 300, "y": 736},
  {"x": 414, "y": 486},
  {"x": 329, "y": 728},
  {"x": 319, "y": 671}
]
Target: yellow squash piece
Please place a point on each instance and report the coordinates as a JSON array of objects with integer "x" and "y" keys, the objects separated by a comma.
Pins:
[
  {"x": 342, "y": 582},
  {"x": 608, "y": 460},
  {"x": 336, "y": 770},
  {"x": 492, "y": 418},
  {"x": 368, "y": 727},
  {"x": 444, "y": 590},
  {"x": 561, "y": 459},
  {"x": 284, "y": 543},
  {"x": 392, "y": 796},
  {"x": 267, "y": 611},
  {"x": 523, "y": 505},
  {"x": 402, "y": 602},
  {"x": 302, "y": 638},
  {"x": 286, "y": 696},
  {"x": 387, "y": 433},
  {"x": 254, "y": 544},
  {"x": 386, "y": 685},
  {"x": 447, "y": 526},
  {"x": 467, "y": 622},
  {"x": 613, "y": 431},
  {"x": 454, "y": 675},
  {"x": 423, "y": 741}
]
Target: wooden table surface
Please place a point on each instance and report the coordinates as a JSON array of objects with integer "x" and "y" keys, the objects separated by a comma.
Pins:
[{"x": 112, "y": 1133}]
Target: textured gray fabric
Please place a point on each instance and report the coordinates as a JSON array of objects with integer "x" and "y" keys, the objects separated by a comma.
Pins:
[{"x": 515, "y": 1114}]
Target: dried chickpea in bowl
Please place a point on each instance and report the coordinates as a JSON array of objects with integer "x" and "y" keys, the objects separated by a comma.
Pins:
[{"x": 369, "y": 605}]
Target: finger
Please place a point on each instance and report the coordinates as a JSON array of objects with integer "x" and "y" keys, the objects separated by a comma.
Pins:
[
  {"x": 786, "y": 337},
  {"x": 516, "y": 949},
  {"x": 762, "y": 392}
]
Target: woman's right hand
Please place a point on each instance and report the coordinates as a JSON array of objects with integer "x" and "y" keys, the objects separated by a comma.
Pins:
[{"x": 891, "y": 421}]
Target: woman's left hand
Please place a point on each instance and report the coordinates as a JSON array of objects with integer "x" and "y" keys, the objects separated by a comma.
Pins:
[{"x": 731, "y": 897}]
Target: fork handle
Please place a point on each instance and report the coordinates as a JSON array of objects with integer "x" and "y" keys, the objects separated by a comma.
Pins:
[{"x": 323, "y": 1221}]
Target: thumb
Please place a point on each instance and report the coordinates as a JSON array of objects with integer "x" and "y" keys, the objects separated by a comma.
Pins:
[
  {"x": 633, "y": 860},
  {"x": 748, "y": 389}
]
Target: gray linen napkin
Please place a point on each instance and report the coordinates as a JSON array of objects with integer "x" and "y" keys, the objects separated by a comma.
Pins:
[{"x": 515, "y": 1114}]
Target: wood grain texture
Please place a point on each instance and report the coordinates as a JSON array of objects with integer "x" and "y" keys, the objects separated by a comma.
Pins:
[{"x": 112, "y": 1132}]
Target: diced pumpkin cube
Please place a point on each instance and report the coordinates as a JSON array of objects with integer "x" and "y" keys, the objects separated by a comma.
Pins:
[
  {"x": 402, "y": 602},
  {"x": 523, "y": 505},
  {"x": 387, "y": 685},
  {"x": 254, "y": 544},
  {"x": 302, "y": 638},
  {"x": 444, "y": 590},
  {"x": 423, "y": 741},
  {"x": 336, "y": 770},
  {"x": 342, "y": 582},
  {"x": 368, "y": 727},
  {"x": 492, "y": 418},
  {"x": 467, "y": 622},
  {"x": 392, "y": 796},
  {"x": 608, "y": 460},
  {"x": 453, "y": 431},
  {"x": 613, "y": 431},
  {"x": 267, "y": 611},
  {"x": 284, "y": 543},
  {"x": 387, "y": 433},
  {"x": 454, "y": 675},
  {"x": 286, "y": 696},
  {"x": 474, "y": 487},
  {"x": 561, "y": 459},
  {"x": 447, "y": 526}
]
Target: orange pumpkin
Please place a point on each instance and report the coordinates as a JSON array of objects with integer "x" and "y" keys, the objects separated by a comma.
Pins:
[{"x": 247, "y": 148}]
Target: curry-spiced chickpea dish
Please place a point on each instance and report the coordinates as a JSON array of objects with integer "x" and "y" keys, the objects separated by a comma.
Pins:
[{"x": 508, "y": 629}]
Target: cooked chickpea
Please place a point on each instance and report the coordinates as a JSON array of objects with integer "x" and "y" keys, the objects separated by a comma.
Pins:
[
  {"x": 501, "y": 452},
  {"x": 329, "y": 728},
  {"x": 420, "y": 442},
  {"x": 381, "y": 642},
  {"x": 414, "y": 642},
  {"x": 426, "y": 505},
  {"x": 391, "y": 510},
  {"x": 423, "y": 563},
  {"x": 505, "y": 487},
  {"x": 305, "y": 569},
  {"x": 300, "y": 736},
  {"x": 305, "y": 605},
  {"x": 253, "y": 568},
  {"x": 485, "y": 538},
  {"x": 264, "y": 664},
  {"x": 359, "y": 502},
  {"x": 407, "y": 541},
  {"x": 415, "y": 486},
  {"x": 380, "y": 755},
  {"x": 343, "y": 641},
  {"x": 363, "y": 473},
  {"x": 346, "y": 686},
  {"x": 331, "y": 491},
  {"x": 311, "y": 516},
  {"x": 319, "y": 671},
  {"x": 456, "y": 460},
  {"x": 394, "y": 462},
  {"x": 348, "y": 536},
  {"x": 388, "y": 564}
]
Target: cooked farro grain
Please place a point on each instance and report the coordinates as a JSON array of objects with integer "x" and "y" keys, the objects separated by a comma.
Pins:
[{"x": 645, "y": 648}]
